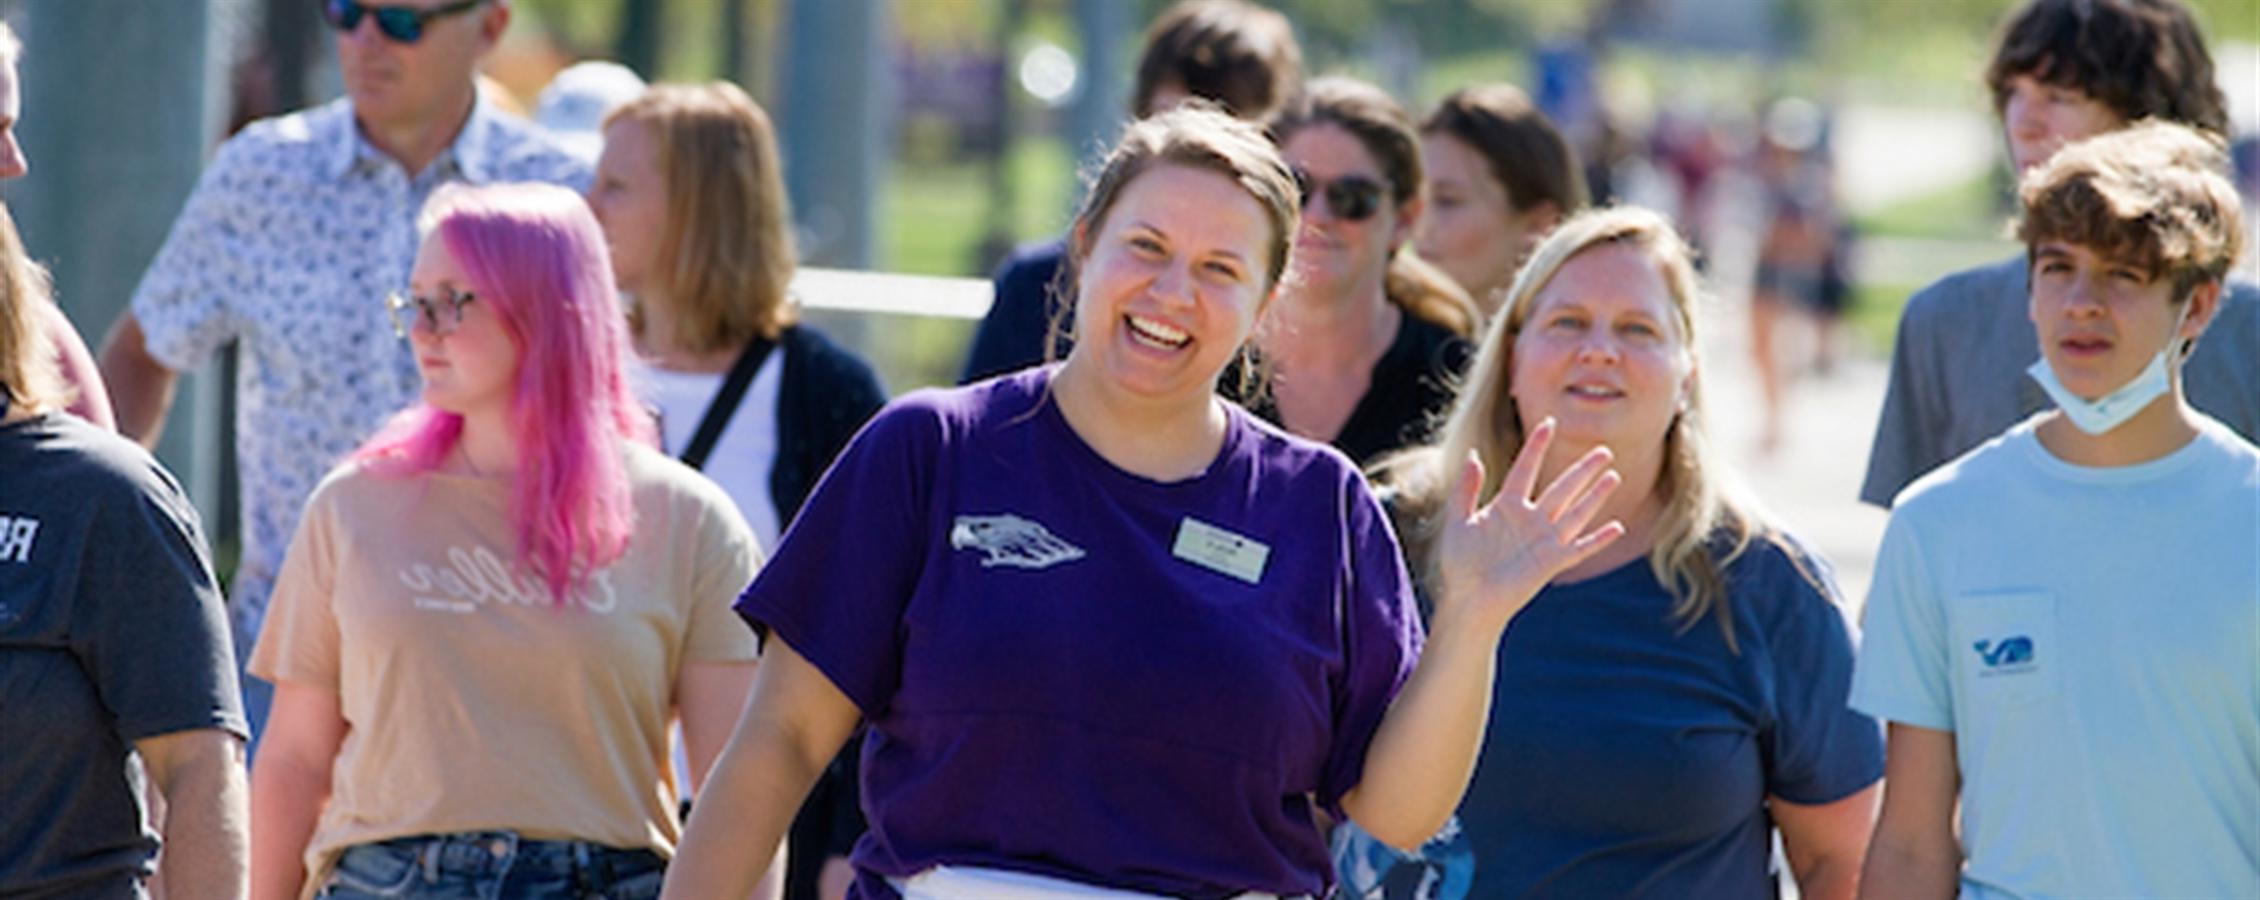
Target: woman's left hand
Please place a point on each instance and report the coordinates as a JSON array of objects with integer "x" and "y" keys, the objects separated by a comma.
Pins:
[{"x": 1493, "y": 559}]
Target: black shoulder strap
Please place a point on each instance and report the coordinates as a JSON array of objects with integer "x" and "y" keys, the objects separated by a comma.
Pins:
[{"x": 725, "y": 402}]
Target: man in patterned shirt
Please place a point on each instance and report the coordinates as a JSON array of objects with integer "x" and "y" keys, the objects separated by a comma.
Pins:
[{"x": 293, "y": 237}]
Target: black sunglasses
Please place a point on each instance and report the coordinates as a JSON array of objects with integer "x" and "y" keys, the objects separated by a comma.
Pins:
[
  {"x": 404, "y": 24},
  {"x": 1352, "y": 197}
]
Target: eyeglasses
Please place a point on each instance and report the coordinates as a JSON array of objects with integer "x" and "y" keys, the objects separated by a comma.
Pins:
[
  {"x": 1352, "y": 197},
  {"x": 441, "y": 315},
  {"x": 404, "y": 24}
]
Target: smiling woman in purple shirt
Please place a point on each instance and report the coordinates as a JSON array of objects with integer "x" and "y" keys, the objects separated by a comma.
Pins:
[{"x": 1113, "y": 636}]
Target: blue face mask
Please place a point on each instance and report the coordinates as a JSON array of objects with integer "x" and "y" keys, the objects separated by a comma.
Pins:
[{"x": 2100, "y": 415}]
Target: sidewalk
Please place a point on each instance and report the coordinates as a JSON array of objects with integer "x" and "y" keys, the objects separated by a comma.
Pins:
[{"x": 1811, "y": 482}]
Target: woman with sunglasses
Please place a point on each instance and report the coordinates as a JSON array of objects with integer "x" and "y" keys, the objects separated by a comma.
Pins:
[
  {"x": 493, "y": 610},
  {"x": 1665, "y": 705},
  {"x": 691, "y": 194},
  {"x": 1368, "y": 338},
  {"x": 1113, "y": 636}
]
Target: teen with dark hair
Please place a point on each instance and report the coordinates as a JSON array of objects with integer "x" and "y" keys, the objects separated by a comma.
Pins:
[{"x": 2062, "y": 70}]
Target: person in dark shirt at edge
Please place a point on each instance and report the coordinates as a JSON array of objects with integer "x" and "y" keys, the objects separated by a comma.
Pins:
[{"x": 1238, "y": 54}]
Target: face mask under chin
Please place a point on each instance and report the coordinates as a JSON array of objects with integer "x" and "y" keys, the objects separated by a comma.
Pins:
[{"x": 2103, "y": 414}]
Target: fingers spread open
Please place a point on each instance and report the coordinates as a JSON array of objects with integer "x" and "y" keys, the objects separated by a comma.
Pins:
[
  {"x": 1571, "y": 521},
  {"x": 1470, "y": 487},
  {"x": 1575, "y": 482},
  {"x": 1593, "y": 541},
  {"x": 1522, "y": 478}
]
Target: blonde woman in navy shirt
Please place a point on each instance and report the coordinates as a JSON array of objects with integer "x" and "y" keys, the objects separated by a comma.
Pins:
[
  {"x": 1666, "y": 704},
  {"x": 1112, "y": 635}
]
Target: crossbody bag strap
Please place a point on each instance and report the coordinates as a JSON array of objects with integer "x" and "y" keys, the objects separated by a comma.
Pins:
[{"x": 725, "y": 402}]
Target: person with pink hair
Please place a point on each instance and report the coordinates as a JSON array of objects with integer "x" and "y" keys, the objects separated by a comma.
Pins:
[{"x": 493, "y": 610}]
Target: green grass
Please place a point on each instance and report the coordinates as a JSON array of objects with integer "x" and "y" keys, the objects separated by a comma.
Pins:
[
  {"x": 1873, "y": 319},
  {"x": 1970, "y": 209},
  {"x": 937, "y": 213}
]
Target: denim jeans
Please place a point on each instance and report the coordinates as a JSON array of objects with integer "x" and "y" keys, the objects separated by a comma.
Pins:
[{"x": 493, "y": 865}]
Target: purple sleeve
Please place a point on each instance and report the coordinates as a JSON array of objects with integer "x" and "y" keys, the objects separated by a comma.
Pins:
[
  {"x": 1381, "y": 638},
  {"x": 845, "y": 569}
]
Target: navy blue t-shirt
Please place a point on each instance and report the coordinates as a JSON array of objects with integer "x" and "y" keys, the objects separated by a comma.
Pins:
[
  {"x": 1029, "y": 288},
  {"x": 1626, "y": 758}
]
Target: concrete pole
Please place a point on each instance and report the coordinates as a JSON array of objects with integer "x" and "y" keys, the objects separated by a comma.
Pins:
[
  {"x": 122, "y": 105},
  {"x": 836, "y": 95},
  {"x": 1105, "y": 28}
]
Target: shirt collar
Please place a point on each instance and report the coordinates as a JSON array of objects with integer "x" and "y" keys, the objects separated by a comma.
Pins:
[{"x": 350, "y": 150}]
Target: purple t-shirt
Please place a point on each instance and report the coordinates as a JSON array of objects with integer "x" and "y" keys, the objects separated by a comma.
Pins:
[{"x": 1073, "y": 671}]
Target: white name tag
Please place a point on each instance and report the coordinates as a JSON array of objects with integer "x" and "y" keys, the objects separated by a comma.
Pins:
[{"x": 1214, "y": 548}]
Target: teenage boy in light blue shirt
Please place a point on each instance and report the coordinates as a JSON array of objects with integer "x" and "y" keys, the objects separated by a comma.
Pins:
[{"x": 2064, "y": 631}]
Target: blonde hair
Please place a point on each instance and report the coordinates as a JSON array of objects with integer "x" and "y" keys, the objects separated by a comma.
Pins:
[
  {"x": 727, "y": 257},
  {"x": 1705, "y": 524},
  {"x": 11, "y": 47},
  {"x": 27, "y": 364}
]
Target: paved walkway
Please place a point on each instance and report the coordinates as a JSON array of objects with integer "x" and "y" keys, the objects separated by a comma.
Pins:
[{"x": 1811, "y": 482}]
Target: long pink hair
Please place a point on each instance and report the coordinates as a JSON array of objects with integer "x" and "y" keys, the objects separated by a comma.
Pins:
[{"x": 534, "y": 254}]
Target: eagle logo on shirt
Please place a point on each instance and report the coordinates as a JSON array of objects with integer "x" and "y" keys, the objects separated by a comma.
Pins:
[{"x": 1009, "y": 540}]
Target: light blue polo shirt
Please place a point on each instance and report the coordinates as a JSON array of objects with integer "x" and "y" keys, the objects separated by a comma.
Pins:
[{"x": 2092, "y": 639}]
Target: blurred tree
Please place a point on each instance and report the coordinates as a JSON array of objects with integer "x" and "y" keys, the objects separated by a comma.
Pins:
[
  {"x": 736, "y": 56},
  {"x": 641, "y": 35},
  {"x": 291, "y": 37}
]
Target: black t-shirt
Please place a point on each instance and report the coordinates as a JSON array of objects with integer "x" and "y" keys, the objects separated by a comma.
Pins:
[
  {"x": 111, "y": 631},
  {"x": 1413, "y": 385}
]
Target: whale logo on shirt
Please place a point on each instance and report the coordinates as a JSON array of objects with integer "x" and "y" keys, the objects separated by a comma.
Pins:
[
  {"x": 1009, "y": 540},
  {"x": 2011, "y": 652}
]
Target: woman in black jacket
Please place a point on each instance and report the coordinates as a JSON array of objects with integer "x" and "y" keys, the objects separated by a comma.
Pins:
[{"x": 692, "y": 199}]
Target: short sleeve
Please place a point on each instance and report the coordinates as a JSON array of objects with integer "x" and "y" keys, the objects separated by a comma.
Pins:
[
  {"x": 1381, "y": 637},
  {"x": 183, "y": 303},
  {"x": 299, "y": 642},
  {"x": 727, "y": 560},
  {"x": 1908, "y": 430},
  {"x": 150, "y": 625},
  {"x": 1817, "y": 748},
  {"x": 845, "y": 569},
  {"x": 1902, "y": 674}
]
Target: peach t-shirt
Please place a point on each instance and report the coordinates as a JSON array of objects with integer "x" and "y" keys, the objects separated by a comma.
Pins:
[{"x": 471, "y": 700}]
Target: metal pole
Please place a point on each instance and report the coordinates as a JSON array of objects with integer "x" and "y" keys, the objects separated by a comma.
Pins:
[
  {"x": 121, "y": 108},
  {"x": 1104, "y": 96},
  {"x": 836, "y": 94}
]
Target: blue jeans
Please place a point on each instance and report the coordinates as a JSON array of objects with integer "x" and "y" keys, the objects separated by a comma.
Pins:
[{"x": 492, "y": 865}]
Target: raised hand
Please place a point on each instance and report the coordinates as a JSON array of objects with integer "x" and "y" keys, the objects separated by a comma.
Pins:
[{"x": 1493, "y": 559}]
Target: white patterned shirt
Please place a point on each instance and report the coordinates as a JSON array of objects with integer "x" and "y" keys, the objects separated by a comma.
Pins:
[{"x": 294, "y": 235}]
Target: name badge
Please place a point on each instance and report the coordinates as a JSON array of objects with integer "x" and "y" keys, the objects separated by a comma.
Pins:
[{"x": 1219, "y": 550}]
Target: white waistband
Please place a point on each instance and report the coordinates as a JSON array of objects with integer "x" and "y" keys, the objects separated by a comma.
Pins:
[{"x": 976, "y": 883}]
